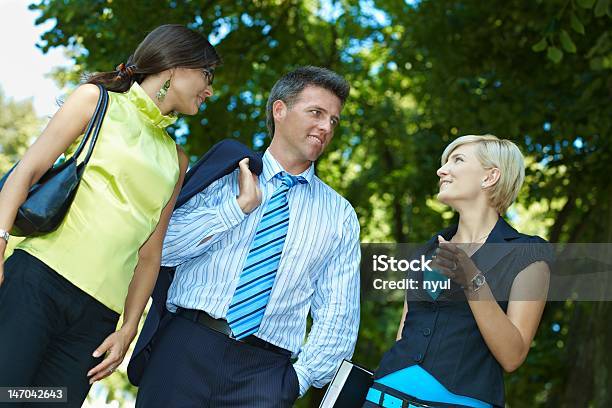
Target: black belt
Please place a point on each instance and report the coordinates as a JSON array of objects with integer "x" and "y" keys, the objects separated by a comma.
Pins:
[{"x": 221, "y": 326}]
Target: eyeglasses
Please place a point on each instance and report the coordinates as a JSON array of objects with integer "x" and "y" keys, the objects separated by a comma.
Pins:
[{"x": 209, "y": 74}]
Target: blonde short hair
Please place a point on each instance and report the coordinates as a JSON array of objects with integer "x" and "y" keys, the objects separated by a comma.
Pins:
[{"x": 503, "y": 154}]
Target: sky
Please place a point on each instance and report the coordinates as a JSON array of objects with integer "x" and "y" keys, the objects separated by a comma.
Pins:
[{"x": 24, "y": 69}]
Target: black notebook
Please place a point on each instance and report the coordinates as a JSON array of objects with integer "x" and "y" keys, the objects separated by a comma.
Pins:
[{"x": 349, "y": 387}]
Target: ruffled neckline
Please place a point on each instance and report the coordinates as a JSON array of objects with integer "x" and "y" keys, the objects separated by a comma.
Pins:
[{"x": 149, "y": 109}]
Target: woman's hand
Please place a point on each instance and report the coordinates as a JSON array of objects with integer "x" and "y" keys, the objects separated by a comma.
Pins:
[
  {"x": 453, "y": 262},
  {"x": 250, "y": 193},
  {"x": 115, "y": 346}
]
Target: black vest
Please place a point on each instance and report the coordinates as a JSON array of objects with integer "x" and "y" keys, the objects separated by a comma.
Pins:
[{"x": 442, "y": 336}]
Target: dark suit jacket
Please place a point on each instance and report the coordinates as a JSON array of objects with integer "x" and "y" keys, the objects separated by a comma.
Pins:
[{"x": 219, "y": 161}]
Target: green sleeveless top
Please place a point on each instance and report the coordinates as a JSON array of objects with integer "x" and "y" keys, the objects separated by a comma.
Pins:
[{"x": 126, "y": 184}]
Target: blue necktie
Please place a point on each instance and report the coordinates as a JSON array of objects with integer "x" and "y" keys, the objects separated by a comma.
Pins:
[{"x": 257, "y": 277}]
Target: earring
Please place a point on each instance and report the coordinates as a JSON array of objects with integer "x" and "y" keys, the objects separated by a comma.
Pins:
[
  {"x": 163, "y": 91},
  {"x": 482, "y": 185}
]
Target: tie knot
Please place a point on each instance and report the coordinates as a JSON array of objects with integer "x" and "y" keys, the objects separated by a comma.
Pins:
[{"x": 290, "y": 180}]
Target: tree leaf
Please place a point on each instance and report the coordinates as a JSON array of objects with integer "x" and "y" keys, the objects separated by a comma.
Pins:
[
  {"x": 577, "y": 25},
  {"x": 540, "y": 45},
  {"x": 554, "y": 54},
  {"x": 566, "y": 42},
  {"x": 601, "y": 8},
  {"x": 586, "y": 3},
  {"x": 596, "y": 64}
]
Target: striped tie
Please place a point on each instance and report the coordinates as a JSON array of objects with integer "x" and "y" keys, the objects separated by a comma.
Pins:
[{"x": 257, "y": 277}]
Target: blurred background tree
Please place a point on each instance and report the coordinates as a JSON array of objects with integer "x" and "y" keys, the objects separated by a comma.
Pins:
[
  {"x": 18, "y": 126},
  {"x": 422, "y": 73}
]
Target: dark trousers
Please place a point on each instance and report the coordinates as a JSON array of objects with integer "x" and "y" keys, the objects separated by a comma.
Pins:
[
  {"x": 194, "y": 366},
  {"x": 49, "y": 329}
]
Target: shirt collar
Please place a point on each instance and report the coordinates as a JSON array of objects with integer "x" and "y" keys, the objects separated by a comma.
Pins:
[
  {"x": 271, "y": 167},
  {"x": 148, "y": 108},
  {"x": 501, "y": 232}
]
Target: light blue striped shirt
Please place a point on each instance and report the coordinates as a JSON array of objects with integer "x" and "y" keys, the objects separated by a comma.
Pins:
[{"x": 318, "y": 270}]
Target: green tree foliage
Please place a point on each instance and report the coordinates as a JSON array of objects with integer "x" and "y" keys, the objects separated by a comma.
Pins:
[
  {"x": 422, "y": 73},
  {"x": 18, "y": 126}
]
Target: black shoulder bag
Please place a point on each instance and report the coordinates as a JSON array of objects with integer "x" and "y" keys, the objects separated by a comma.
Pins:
[{"x": 49, "y": 199}]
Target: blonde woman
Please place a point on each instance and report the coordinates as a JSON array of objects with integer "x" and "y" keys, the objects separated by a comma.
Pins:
[{"x": 454, "y": 345}]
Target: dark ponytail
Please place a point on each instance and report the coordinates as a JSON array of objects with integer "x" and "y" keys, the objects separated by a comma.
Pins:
[{"x": 168, "y": 46}]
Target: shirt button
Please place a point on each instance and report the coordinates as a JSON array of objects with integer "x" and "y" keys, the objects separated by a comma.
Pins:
[
  {"x": 418, "y": 357},
  {"x": 426, "y": 331}
]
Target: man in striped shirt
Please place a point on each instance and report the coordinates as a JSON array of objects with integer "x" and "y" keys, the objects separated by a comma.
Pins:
[{"x": 253, "y": 256}]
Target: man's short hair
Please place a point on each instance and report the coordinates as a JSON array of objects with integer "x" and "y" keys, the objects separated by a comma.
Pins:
[{"x": 288, "y": 88}]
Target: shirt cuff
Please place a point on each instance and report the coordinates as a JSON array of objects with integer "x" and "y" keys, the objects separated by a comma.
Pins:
[
  {"x": 230, "y": 213},
  {"x": 303, "y": 379}
]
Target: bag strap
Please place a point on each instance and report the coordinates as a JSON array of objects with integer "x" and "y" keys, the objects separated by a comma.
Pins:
[
  {"x": 96, "y": 131},
  {"x": 94, "y": 125}
]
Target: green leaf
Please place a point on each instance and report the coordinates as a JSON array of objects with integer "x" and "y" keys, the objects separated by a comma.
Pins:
[
  {"x": 577, "y": 25},
  {"x": 540, "y": 45},
  {"x": 601, "y": 8},
  {"x": 566, "y": 42},
  {"x": 554, "y": 54},
  {"x": 596, "y": 64},
  {"x": 586, "y": 3}
]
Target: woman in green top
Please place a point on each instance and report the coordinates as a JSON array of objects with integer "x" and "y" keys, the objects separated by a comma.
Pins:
[{"x": 61, "y": 294}]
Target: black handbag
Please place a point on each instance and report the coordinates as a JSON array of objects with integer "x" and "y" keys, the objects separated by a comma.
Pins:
[{"x": 49, "y": 199}]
